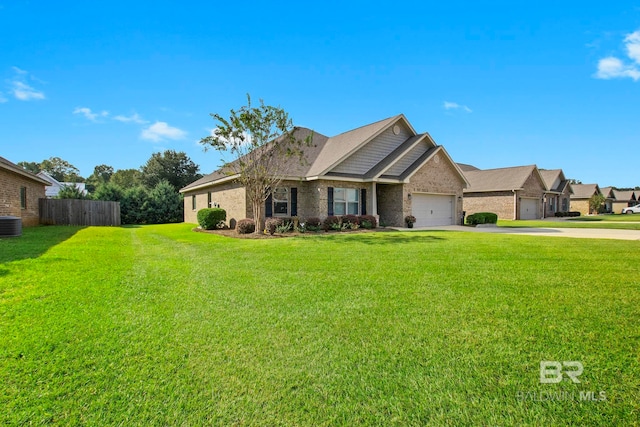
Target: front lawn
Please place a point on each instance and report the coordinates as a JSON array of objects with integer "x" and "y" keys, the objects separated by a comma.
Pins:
[
  {"x": 579, "y": 222},
  {"x": 158, "y": 325}
]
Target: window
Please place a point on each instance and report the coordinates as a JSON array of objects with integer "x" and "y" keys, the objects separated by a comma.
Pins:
[
  {"x": 193, "y": 202},
  {"x": 23, "y": 197},
  {"x": 345, "y": 201},
  {"x": 281, "y": 202},
  {"x": 209, "y": 200},
  {"x": 565, "y": 204}
]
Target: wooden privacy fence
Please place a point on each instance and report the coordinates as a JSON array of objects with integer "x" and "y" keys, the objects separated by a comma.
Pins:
[{"x": 79, "y": 212}]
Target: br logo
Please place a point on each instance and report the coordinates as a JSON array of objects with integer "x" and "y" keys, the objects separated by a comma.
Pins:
[{"x": 552, "y": 372}]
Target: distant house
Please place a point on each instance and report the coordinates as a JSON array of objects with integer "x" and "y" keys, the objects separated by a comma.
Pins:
[
  {"x": 609, "y": 198},
  {"x": 55, "y": 185},
  {"x": 558, "y": 195},
  {"x": 512, "y": 193},
  {"x": 19, "y": 193},
  {"x": 623, "y": 199},
  {"x": 581, "y": 195},
  {"x": 385, "y": 169}
]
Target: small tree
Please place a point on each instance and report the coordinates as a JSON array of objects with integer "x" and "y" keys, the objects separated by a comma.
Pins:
[
  {"x": 70, "y": 192},
  {"x": 263, "y": 144},
  {"x": 164, "y": 204},
  {"x": 595, "y": 202}
]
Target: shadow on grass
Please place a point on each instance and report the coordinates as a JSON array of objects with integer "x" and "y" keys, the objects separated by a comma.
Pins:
[
  {"x": 34, "y": 242},
  {"x": 386, "y": 237}
]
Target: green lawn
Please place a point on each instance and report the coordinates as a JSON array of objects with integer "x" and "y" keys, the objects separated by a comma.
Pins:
[
  {"x": 158, "y": 325},
  {"x": 618, "y": 222}
]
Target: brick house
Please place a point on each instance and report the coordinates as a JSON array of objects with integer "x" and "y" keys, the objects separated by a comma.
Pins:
[
  {"x": 623, "y": 199},
  {"x": 511, "y": 193},
  {"x": 19, "y": 193},
  {"x": 609, "y": 198},
  {"x": 385, "y": 169},
  {"x": 581, "y": 195},
  {"x": 558, "y": 196}
]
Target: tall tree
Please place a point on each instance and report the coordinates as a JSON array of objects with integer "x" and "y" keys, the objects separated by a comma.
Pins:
[
  {"x": 175, "y": 167},
  {"x": 61, "y": 170},
  {"x": 101, "y": 175},
  {"x": 263, "y": 144},
  {"x": 33, "y": 167},
  {"x": 127, "y": 178}
]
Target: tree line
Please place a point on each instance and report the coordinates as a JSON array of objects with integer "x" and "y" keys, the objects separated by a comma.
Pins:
[{"x": 147, "y": 195}]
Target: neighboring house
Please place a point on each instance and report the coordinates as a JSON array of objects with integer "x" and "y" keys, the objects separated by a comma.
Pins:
[
  {"x": 511, "y": 193},
  {"x": 609, "y": 198},
  {"x": 19, "y": 193},
  {"x": 385, "y": 169},
  {"x": 55, "y": 185},
  {"x": 558, "y": 195},
  {"x": 581, "y": 195},
  {"x": 623, "y": 199}
]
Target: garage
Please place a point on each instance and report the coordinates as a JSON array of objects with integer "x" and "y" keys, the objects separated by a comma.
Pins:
[
  {"x": 433, "y": 209},
  {"x": 529, "y": 209}
]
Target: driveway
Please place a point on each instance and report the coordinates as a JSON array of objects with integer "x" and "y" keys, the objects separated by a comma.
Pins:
[{"x": 581, "y": 233}]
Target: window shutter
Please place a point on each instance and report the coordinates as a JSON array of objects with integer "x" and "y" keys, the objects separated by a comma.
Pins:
[
  {"x": 294, "y": 201},
  {"x": 268, "y": 206},
  {"x": 363, "y": 201},
  {"x": 330, "y": 201}
]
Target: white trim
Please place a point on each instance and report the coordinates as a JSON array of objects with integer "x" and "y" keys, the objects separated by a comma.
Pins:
[{"x": 209, "y": 184}]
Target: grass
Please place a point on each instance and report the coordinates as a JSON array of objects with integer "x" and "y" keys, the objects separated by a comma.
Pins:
[
  {"x": 617, "y": 222},
  {"x": 158, "y": 325}
]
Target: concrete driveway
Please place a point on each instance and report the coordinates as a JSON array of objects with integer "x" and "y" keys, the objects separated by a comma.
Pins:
[{"x": 581, "y": 233}]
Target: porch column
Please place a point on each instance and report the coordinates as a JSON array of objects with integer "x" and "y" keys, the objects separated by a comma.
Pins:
[{"x": 374, "y": 200}]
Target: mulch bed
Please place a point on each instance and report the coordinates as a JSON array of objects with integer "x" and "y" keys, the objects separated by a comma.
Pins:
[{"x": 235, "y": 234}]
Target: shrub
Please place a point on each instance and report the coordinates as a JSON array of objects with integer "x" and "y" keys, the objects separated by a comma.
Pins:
[
  {"x": 132, "y": 205},
  {"x": 482, "y": 218},
  {"x": 284, "y": 227},
  {"x": 573, "y": 213},
  {"x": 410, "y": 219},
  {"x": 368, "y": 221},
  {"x": 210, "y": 218},
  {"x": 350, "y": 219},
  {"x": 164, "y": 204},
  {"x": 246, "y": 226},
  {"x": 560, "y": 214},
  {"x": 313, "y": 222},
  {"x": 271, "y": 224},
  {"x": 330, "y": 222}
]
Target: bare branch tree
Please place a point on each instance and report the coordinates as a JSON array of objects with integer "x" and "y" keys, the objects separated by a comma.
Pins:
[{"x": 264, "y": 148}]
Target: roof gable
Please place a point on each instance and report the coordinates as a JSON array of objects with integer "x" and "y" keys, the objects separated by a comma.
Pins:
[
  {"x": 625, "y": 196},
  {"x": 502, "y": 179},
  {"x": 12, "y": 167},
  {"x": 584, "y": 191}
]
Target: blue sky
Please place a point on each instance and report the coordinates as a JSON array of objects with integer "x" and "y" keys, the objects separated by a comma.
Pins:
[{"x": 551, "y": 83}]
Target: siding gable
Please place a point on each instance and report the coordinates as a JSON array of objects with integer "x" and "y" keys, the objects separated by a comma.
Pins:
[
  {"x": 407, "y": 160},
  {"x": 374, "y": 151}
]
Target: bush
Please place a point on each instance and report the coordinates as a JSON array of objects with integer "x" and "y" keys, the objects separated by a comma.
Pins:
[
  {"x": 271, "y": 224},
  {"x": 246, "y": 226},
  {"x": 368, "y": 221},
  {"x": 210, "y": 218},
  {"x": 313, "y": 222},
  {"x": 350, "y": 219},
  {"x": 132, "y": 205},
  {"x": 330, "y": 223},
  {"x": 482, "y": 218},
  {"x": 570, "y": 214},
  {"x": 164, "y": 204}
]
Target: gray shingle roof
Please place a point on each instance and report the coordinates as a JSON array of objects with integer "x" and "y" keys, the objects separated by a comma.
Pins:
[
  {"x": 624, "y": 196},
  {"x": 501, "y": 179},
  {"x": 325, "y": 153},
  {"x": 584, "y": 191},
  {"x": 6, "y": 164}
]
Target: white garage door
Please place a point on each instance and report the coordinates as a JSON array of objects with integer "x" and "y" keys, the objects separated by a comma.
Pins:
[
  {"x": 432, "y": 209},
  {"x": 529, "y": 208}
]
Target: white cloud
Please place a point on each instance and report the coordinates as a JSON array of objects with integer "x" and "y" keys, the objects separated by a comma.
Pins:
[
  {"x": 134, "y": 118},
  {"x": 612, "y": 67},
  {"x": 24, "y": 92},
  {"x": 19, "y": 87},
  {"x": 159, "y": 131},
  {"x": 633, "y": 46},
  {"x": 455, "y": 106},
  {"x": 90, "y": 115}
]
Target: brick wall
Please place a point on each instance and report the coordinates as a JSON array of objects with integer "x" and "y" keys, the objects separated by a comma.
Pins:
[
  {"x": 230, "y": 196},
  {"x": 437, "y": 176},
  {"x": 498, "y": 202},
  {"x": 10, "y": 184},
  {"x": 580, "y": 205}
]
